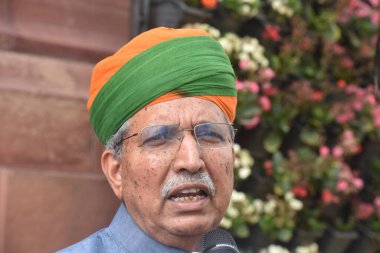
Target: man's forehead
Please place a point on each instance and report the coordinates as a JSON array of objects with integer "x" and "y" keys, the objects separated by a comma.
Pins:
[{"x": 192, "y": 110}]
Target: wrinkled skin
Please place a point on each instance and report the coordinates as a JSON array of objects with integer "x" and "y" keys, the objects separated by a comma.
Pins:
[{"x": 139, "y": 176}]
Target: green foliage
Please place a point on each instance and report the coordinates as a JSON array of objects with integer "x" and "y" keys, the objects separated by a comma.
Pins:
[{"x": 305, "y": 76}]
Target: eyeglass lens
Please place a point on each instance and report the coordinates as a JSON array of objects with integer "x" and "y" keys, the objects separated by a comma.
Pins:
[{"x": 208, "y": 135}]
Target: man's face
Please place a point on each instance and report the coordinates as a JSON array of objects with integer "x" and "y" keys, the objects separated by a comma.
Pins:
[{"x": 171, "y": 220}]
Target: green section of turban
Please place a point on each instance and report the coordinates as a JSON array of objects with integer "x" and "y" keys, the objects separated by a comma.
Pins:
[{"x": 189, "y": 66}]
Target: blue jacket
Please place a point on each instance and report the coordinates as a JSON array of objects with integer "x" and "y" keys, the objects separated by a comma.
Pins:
[{"x": 121, "y": 236}]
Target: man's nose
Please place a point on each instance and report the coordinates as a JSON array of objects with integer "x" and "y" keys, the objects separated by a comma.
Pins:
[{"x": 188, "y": 156}]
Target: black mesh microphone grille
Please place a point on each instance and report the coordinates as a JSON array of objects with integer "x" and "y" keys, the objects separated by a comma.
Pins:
[{"x": 218, "y": 241}]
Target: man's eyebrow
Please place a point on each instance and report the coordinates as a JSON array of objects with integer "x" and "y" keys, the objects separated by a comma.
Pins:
[{"x": 208, "y": 121}]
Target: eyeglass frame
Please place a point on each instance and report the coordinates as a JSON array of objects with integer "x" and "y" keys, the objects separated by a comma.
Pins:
[{"x": 233, "y": 132}]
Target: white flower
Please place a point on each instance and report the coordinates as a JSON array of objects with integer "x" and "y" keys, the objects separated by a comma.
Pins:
[
  {"x": 289, "y": 196},
  {"x": 277, "y": 249},
  {"x": 232, "y": 212},
  {"x": 248, "y": 210},
  {"x": 244, "y": 172},
  {"x": 245, "y": 10},
  {"x": 312, "y": 248},
  {"x": 237, "y": 148},
  {"x": 244, "y": 56},
  {"x": 238, "y": 197},
  {"x": 246, "y": 159},
  {"x": 265, "y": 62},
  {"x": 295, "y": 204},
  {"x": 226, "y": 44},
  {"x": 281, "y": 7},
  {"x": 215, "y": 33},
  {"x": 254, "y": 219},
  {"x": 258, "y": 204},
  {"x": 270, "y": 206},
  {"x": 225, "y": 223}
]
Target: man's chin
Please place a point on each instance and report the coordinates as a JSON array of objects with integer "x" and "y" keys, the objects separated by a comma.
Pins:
[{"x": 194, "y": 226}]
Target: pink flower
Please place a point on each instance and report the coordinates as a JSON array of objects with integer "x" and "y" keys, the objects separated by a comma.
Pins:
[
  {"x": 357, "y": 104},
  {"x": 324, "y": 151},
  {"x": 253, "y": 86},
  {"x": 363, "y": 12},
  {"x": 364, "y": 211},
  {"x": 348, "y": 133},
  {"x": 358, "y": 182},
  {"x": 346, "y": 172},
  {"x": 377, "y": 205},
  {"x": 328, "y": 197},
  {"x": 337, "y": 152},
  {"x": 268, "y": 167},
  {"x": 300, "y": 191},
  {"x": 253, "y": 122},
  {"x": 342, "y": 186},
  {"x": 341, "y": 83},
  {"x": 269, "y": 90},
  {"x": 351, "y": 89},
  {"x": 239, "y": 85},
  {"x": 244, "y": 64},
  {"x": 268, "y": 164},
  {"x": 267, "y": 73},
  {"x": 345, "y": 117},
  {"x": 375, "y": 17},
  {"x": 370, "y": 99},
  {"x": 377, "y": 202},
  {"x": 317, "y": 96},
  {"x": 271, "y": 32},
  {"x": 265, "y": 103},
  {"x": 376, "y": 116},
  {"x": 338, "y": 50},
  {"x": 347, "y": 62},
  {"x": 348, "y": 142}
]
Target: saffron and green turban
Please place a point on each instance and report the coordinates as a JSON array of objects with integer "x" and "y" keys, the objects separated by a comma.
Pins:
[{"x": 156, "y": 66}]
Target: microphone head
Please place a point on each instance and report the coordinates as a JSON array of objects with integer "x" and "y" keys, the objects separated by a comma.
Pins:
[{"x": 218, "y": 241}]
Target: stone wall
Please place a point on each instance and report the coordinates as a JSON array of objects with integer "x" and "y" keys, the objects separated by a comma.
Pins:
[{"x": 52, "y": 191}]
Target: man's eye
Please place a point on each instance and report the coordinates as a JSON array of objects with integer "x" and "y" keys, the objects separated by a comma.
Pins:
[
  {"x": 210, "y": 136},
  {"x": 157, "y": 136},
  {"x": 155, "y": 140}
]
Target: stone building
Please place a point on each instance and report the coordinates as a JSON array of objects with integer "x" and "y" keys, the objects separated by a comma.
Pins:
[{"x": 52, "y": 190}]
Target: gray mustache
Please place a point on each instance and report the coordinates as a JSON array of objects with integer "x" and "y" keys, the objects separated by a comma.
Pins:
[{"x": 187, "y": 177}]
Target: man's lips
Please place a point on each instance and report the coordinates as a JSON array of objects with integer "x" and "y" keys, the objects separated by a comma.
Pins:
[{"x": 189, "y": 193}]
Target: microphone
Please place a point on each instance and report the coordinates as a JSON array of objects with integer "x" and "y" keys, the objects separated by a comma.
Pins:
[{"x": 218, "y": 241}]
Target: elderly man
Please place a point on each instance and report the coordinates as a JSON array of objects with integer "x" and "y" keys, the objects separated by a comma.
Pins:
[{"x": 163, "y": 106}]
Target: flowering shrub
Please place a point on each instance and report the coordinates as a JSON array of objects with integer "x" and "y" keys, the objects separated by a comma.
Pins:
[
  {"x": 243, "y": 163},
  {"x": 237, "y": 8},
  {"x": 369, "y": 214},
  {"x": 306, "y": 84},
  {"x": 275, "y": 215},
  {"x": 312, "y": 248}
]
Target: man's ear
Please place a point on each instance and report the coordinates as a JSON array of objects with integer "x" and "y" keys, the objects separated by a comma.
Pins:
[{"x": 112, "y": 170}]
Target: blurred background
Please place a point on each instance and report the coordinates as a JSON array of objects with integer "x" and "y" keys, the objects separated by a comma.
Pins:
[{"x": 308, "y": 146}]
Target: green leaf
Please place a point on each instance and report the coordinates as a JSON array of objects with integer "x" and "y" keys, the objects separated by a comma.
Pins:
[
  {"x": 241, "y": 230},
  {"x": 334, "y": 33},
  {"x": 285, "y": 235},
  {"x": 272, "y": 142},
  {"x": 310, "y": 137}
]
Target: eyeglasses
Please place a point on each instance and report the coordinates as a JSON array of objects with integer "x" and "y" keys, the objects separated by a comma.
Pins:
[{"x": 207, "y": 135}]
